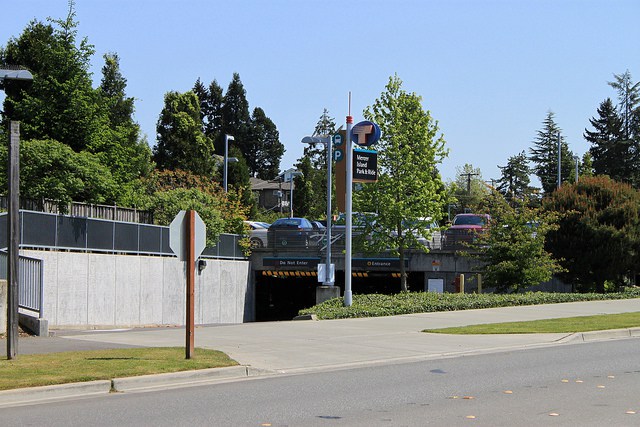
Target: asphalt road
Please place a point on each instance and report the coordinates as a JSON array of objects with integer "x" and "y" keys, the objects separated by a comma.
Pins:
[{"x": 587, "y": 384}]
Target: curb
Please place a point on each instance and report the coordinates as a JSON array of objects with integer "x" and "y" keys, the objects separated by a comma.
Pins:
[
  {"x": 50, "y": 392},
  {"x": 21, "y": 396},
  {"x": 183, "y": 378},
  {"x": 600, "y": 335}
]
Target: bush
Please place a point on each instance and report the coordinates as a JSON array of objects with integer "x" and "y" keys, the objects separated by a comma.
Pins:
[{"x": 376, "y": 305}]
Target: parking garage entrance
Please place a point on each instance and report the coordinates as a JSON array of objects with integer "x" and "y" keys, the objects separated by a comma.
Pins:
[{"x": 281, "y": 294}]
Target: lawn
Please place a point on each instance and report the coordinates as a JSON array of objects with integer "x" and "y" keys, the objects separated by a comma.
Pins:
[
  {"x": 565, "y": 325},
  {"x": 58, "y": 368}
]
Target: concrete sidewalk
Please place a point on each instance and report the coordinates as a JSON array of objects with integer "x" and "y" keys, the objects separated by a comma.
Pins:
[
  {"x": 292, "y": 346},
  {"x": 306, "y": 346}
]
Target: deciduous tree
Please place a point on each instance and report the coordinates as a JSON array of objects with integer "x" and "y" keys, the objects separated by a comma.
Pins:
[
  {"x": 409, "y": 192},
  {"x": 513, "y": 249}
]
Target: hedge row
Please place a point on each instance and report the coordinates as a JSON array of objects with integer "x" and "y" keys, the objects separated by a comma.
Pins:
[{"x": 376, "y": 305}]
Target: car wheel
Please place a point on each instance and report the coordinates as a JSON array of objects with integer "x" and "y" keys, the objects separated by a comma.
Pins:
[{"x": 255, "y": 243}]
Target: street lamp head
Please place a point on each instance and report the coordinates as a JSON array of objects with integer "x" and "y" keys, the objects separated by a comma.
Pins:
[
  {"x": 316, "y": 140},
  {"x": 23, "y": 75},
  {"x": 229, "y": 137},
  {"x": 233, "y": 160}
]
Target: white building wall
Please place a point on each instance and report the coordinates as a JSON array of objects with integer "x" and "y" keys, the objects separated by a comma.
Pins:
[{"x": 88, "y": 290}]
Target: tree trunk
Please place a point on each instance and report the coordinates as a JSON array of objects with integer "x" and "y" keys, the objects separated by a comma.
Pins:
[{"x": 403, "y": 271}]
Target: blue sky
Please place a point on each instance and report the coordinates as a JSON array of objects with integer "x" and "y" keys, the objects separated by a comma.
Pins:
[{"x": 488, "y": 71}]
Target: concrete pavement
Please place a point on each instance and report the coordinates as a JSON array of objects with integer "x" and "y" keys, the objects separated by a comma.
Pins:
[{"x": 305, "y": 346}]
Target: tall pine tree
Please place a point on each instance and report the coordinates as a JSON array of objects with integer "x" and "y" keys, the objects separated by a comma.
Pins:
[
  {"x": 544, "y": 155},
  {"x": 610, "y": 152},
  {"x": 514, "y": 182}
]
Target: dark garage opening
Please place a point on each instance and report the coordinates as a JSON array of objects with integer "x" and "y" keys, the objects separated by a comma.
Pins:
[{"x": 280, "y": 298}]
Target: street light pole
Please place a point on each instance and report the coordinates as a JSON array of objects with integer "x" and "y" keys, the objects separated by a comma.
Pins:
[
  {"x": 227, "y": 138},
  {"x": 13, "y": 221},
  {"x": 326, "y": 140}
]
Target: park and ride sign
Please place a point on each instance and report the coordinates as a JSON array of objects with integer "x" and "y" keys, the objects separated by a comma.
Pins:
[{"x": 365, "y": 165}]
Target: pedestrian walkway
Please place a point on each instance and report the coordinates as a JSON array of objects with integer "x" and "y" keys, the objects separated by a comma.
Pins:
[
  {"x": 273, "y": 348},
  {"x": 301, "y": 346}
]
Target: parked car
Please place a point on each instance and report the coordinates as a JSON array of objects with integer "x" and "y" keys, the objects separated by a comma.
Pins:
[
  {"x": 434, "y": 241},
  {"x": 464, "y": 229},
  {"x": 258, "y": 233},
  {"x": 294, "y": 232}
]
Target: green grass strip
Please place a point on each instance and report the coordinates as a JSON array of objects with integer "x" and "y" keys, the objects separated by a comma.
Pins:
[
  {"x": 564, "y": 325},
  {"x": 58, "y": 368}
]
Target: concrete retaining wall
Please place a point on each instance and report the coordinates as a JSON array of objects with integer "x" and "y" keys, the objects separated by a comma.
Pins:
[{"x": 87, "y": 290}]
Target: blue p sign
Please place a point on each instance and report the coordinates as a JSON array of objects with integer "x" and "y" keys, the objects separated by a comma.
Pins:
[{"x": 338, "y": 155}]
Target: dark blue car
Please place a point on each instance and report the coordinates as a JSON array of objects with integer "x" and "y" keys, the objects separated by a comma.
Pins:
[{"x": 294, "y": 233}]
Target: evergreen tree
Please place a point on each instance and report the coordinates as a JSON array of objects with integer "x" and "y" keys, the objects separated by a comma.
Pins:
[
  {"x": 264, "y": 149},
  {"x": 611, "y": 153},
  {"x": 210, "y": 108},
  {"x": 628, "y": 102},
  {"x": 181, "y": 143},
  {"x": 119, "y": 146},
  {"x": 599, "y": 232},
  {"x": 311, "y": 198},
  {"x": 514, "y": 182},
  {"x": 236, "y": 120},
  {"x": 629, "y": 113},
  {"x": 544, "y": 155}
]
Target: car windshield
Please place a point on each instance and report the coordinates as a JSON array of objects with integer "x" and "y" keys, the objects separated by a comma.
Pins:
[
  {"x": 470, "y": 220},
  {"x": 288, "y": 222}
]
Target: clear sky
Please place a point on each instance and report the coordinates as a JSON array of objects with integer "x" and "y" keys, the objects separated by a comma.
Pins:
[{"x": 487, "y": 70}]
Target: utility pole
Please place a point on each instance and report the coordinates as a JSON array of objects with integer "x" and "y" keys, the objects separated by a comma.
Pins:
[{"x": 469, "y": 175}]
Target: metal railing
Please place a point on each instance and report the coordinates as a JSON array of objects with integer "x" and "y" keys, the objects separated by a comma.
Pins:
[
  {"x": 110, "y": 212},
  {"x": 40, "y": 230},
  {"x": 30, "y": 282}
]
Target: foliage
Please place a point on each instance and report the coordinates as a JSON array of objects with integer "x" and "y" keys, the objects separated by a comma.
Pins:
[
  {"x": 513, "y": 247},
  {"x": 610, "y": 154},
  {"x": 119, "y": 145},
  {"x": 311, "y": 188},
  {"x": 236, "y": 119},
  {"x": 409, "y": 190},
  {"x": 544, "y": 155},
  {"x": 264, "y": 149},
  {"x": 469, "y": 189},
  {"x": 60, "y": 103},
  {"x": 52, "y": 170},
  {"x": 168, "y": 192},
  {"x": 514, "y": 182},
  {"x": 598, "y": 238},
  {"x": 181, "y": 143},
  {"x": 375, "y": 305}
]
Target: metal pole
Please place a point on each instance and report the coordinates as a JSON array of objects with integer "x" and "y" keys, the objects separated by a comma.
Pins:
[
  {"x": 348, "y": 207},
  {"x": 327, "y": 277},
  {"x": 227, "y": 138},
  {"x": 559, "y": 162},
  {"x": 191, "y": 279},
  {"x": 13, "y": 240},
  {"x": 576, "y": 160},
  {"x": 291, "y": 197}
]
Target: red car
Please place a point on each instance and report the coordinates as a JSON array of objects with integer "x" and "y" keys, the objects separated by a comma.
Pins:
[{"x": 465, "y": 229}]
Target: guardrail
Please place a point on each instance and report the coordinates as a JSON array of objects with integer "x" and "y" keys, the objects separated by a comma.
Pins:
[
  {"x": 30, "y": 282},
  {"x": 40, "y": 230}
]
